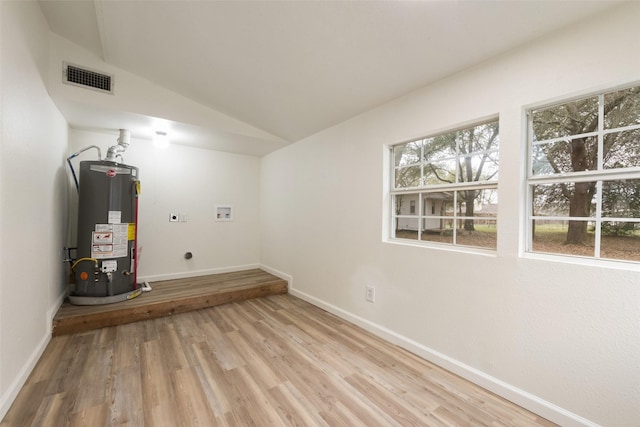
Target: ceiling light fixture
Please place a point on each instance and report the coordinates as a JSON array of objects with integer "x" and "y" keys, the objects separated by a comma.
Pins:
[{"x": 160, "y": 140}]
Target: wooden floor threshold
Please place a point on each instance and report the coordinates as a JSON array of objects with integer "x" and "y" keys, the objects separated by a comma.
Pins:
[{"x": 168, "y": 298}]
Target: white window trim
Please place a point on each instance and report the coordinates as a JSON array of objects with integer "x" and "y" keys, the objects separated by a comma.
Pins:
[
  {"x": 391, "y": 191},
  {"x": 598, "y": 176}
]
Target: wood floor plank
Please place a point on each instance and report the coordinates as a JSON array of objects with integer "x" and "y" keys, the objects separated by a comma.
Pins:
[
  {"x": 191, "y": 405},
  {"x": 290, "y": 405},
  {"x": 275, "y": 361},
  {"x": 53, "y": 411},
  {"x": 66, "y": 373},
  {"x": 126, "y": 408},
  {"x": 157, "y": 392},
  {"x": 340, "y": 415},
  {"x": 97, "y": 415},
  {"x": 255, "y": 362},
  {"x": 213, "y": 382},
  {"x": 391, "y": 404},
  {"x": 253, "y": 397}
]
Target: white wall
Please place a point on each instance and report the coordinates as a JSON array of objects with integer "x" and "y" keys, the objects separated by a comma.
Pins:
[
  {"x": 189, "y": 181},
  {"x": 33, "y": 197},
  {"x": 561, "y": 338}
]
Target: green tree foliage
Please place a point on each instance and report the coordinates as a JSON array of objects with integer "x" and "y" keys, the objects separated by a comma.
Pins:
[
  {"x": 463, "y": 156},
  {"x": 572, "y": 146},
  {"x": 476, "y": 160},
  {"x": 621, "y": 199}
]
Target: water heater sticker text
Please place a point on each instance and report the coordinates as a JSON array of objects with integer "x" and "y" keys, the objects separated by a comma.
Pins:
[
  {"x": 101, "y": 251},
  {"x": 120, "y": 240},
  {"x": 102, "y": 246},
  {"x": 110, "y": 240},
  {"x": 101, "y": 237},
  {"x": 114, "y": 217},
  {"x": 109, "y": 266}
]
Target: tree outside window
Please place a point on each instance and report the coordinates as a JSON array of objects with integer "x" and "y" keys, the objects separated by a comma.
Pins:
[
  {"x": 450, "y": 181},
  {"x": 584, "y": 176}
]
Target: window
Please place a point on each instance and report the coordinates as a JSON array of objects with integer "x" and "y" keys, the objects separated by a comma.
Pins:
[
  {"x": 444, "y": 187},
  {"x": 584, "y": 177}
]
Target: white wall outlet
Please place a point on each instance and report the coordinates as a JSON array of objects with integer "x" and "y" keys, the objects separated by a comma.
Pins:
[
  {"x": 370, "y": 294},
  {"x": 173, "y": 217}
]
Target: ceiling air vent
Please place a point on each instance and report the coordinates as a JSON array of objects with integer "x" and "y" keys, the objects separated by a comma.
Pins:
[{"x": 86, "y": 78}]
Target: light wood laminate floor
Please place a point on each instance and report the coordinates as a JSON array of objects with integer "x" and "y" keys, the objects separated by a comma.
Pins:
[{"x": 268, "y": 361}]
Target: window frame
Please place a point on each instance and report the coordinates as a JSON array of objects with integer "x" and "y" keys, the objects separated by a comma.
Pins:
[
  {"x": 456, "y": 187},
  {"x": 599, "y": 176}
]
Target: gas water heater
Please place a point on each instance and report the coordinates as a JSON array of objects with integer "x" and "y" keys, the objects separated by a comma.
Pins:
[{"x": 105, "y": 271}]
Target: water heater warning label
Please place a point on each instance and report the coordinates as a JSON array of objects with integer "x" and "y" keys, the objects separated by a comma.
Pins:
[
  {"x": 101, "y": 237},
  {"x": 109, "y": 241},
  {"x": 101, "y": 251}
]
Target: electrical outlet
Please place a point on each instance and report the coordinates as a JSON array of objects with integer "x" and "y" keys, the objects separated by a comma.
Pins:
[
  {"x": 173, "y": 217},
  {"x": 370, "y": 293}
]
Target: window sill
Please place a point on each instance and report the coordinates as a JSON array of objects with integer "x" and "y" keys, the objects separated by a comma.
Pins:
[
  {"x": 443, "y": 247},
  {"x": 585, "y": 261}
]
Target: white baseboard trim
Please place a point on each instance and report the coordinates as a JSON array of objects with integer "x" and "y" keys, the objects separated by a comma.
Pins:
[
  {"x": 278, "y": 273},
  {"x": 51, "y": 313},
  {"x": 520, "y": 397},
  {"x": 23, "y": 375},
  {"x": 196, "y": 273},
  {"x": 12, "y": 392}
]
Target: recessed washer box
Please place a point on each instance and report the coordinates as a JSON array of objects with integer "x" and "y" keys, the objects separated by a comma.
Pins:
[{"x": 224, "y": 213}]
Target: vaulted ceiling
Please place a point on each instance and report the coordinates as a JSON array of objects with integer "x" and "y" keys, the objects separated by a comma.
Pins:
[{"x": 293, "y": 68}]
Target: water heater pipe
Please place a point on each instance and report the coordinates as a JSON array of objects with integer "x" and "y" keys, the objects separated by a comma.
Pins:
[
  {"x": 75, "y": 178},
  {"x": 116, "y": 150}
]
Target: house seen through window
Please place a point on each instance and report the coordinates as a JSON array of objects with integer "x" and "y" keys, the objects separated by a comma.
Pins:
[
  {"x": 444, "y": 187},
  {"x": 584, "y": 177}
]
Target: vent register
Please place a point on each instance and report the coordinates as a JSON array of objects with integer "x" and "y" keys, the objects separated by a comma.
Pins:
[{"x": 83, "y": 77}]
